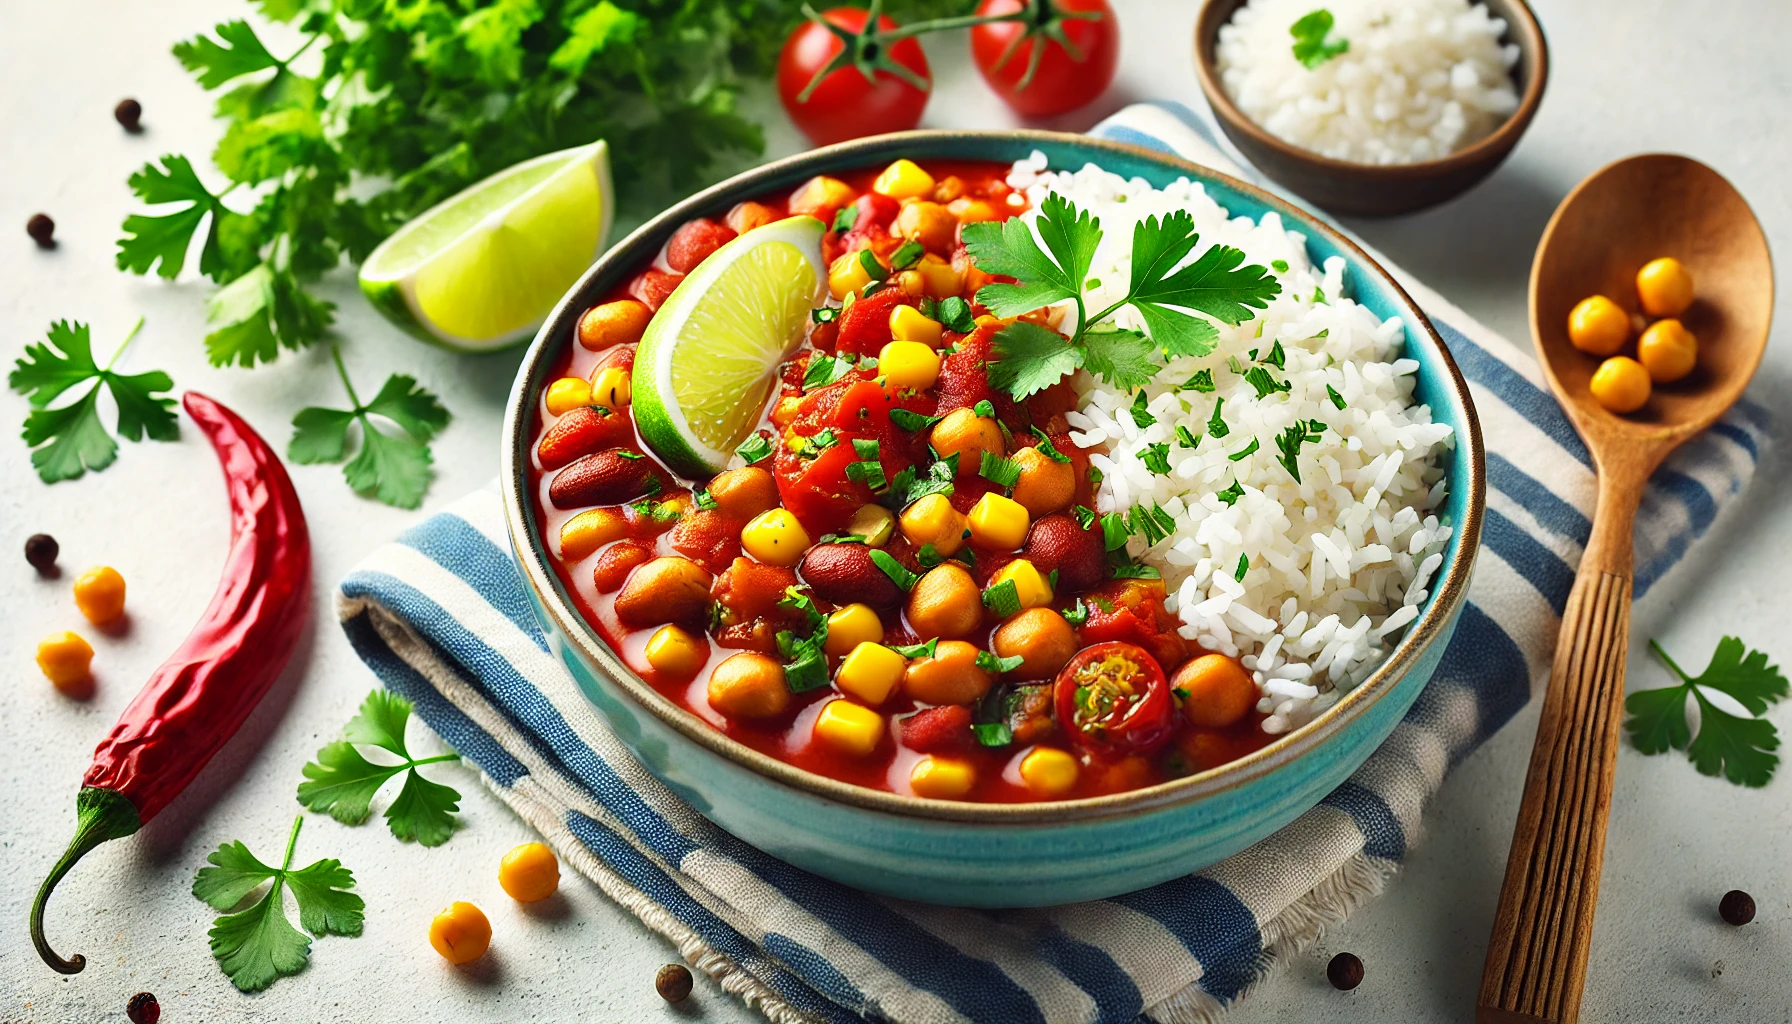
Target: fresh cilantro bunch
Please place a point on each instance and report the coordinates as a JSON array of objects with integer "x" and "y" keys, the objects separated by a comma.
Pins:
[
  {"x": 1740, "y": 749},
  {"x": 258, "y": 945},
  {"x": 392, "y": 467},
  {"x": 70, "y": 439},
  {"x": 342, "y": 782},
  {"x": 1165, "y": 293},
  {"x": 381, "y": 110}
]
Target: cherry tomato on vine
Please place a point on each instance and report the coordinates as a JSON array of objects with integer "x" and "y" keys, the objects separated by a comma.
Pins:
[
  {"x": 1113, "y": 701},
  {"x": 1057, "y": 78},
  {"x": 846, "y": 104}
]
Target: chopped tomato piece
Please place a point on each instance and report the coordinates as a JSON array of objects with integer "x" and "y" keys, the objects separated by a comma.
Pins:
[
  {"x": 865, "y": 326},
  {"x": 1133, "y": 612},
  {"x": 940, "y": 730},
  {"x": 817, "y": 490},
  {"x": 750, "y": 590}
]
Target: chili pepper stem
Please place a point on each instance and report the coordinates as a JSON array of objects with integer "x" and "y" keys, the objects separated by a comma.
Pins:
[{"x": 100, "y": 815}]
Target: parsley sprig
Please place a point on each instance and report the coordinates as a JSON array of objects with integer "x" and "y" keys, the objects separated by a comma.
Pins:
[
  {"x": 70, "y": 439},
  {"x": 258, "y": 945},
  {"x": 1740, "y": 749},
  {"x": 342, "y": 782},
  {"x": 393, "y": 467},
  {"x": 1165, "y": 292}
]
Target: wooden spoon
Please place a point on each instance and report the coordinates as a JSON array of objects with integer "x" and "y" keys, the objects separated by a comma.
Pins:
[{"x": 1611, "y": 224}]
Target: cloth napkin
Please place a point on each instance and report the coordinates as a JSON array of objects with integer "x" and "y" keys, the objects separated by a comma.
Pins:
[{"x": 441, "y": 617}]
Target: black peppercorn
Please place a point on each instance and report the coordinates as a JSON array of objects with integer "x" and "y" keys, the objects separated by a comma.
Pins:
[
  {"x": 129, "y": 114},
  {"x": 673, "y": 983},
  {"x": 41, "y": 550},
  {"x": 1737, "y": 908},
  {"x": 1345, "y": 972},
  {"x": 42, "y": 230},
  {"x": 143, "y": 1009}
]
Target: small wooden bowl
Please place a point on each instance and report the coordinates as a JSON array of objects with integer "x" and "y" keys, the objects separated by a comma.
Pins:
[{"x": 1377, "y": 190}]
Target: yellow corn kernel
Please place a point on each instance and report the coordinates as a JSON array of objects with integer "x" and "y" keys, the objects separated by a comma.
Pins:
[
  {"x": 784, "y": 413},
  {"x": 998, "y": 522},
  {"x": 942, "y": 778},
  {"x": 938, "y": 277},
  {"x": 903, "y": 179},
  {"x": 870, "y": 672},
  {"x": 846, "y": 276},
  {"x": 933, "y": 520},
  {"x": 851, "y": 626},
  {"x": 1034, "y": 589},
  {"x": 1048, "y": 771},
  {"x": 909, "y": 324},
  {"x": 909, "y": 282},
  {"x": 567, "y": 394},
  {"x": 775, "y": 538},
  {"x": 676, "y": 653},
  {"x": 590, "y": 530},
  {"x": 909, "y": 364},
  {"x": 611, "y": 388},
  {"x": 875, "y": 523},
  {"x": 849, "y": 728}
]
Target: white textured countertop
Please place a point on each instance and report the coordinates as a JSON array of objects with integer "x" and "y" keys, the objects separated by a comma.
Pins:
[{"x": 1628, "y": 76}]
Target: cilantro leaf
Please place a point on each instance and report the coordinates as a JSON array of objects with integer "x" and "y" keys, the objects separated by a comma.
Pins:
[
  {"x": 164, "y": 239},
  {"x": 71, "y": 439},
  {"x": 342, "y": 782},
  {"x": 594, "y": 32},
  {"x": 1120, "y": 357},
  {"x": 1008, "y": 249},
  {"x": 1310, "y": 46},
  {"x": 258, "y": 945},
  {"x": 1740, "y": 749},
  {"x": 1214, "y": 284},
  {"x": 1031, "y": 358},
  {"x": 240, "y": 53},
  {"x": 393, "y": 467}
]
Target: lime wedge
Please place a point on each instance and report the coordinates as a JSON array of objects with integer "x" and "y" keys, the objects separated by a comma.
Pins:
[
  {"x": 710, "y": 356},
  {"x": 482, "y": 269}
]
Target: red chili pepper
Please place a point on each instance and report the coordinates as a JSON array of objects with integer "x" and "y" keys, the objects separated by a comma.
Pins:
[{"x": 201, "y": 695}]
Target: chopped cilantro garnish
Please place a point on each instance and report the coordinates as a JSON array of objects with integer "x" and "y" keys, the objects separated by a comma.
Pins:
[
  {"x": 824, "y": 314},
  {"x": 1310, "y": 45},
  {"x": 1201, "y": 381},
  {"x": 703, "y": 499},
  {"x": 631, "y": 456},
  {"x": 1003, "y": 599},
  {"x": 875, "y": 270},
  {"x": 953, "y": 312},
  {"x": 1185, "y": 438},
  {"x": 1134, "y": 571},
  {"x": 993, "y": 734},
  {"x": 912, "y": 421},
  {"x": 1114, "y": 531},
  {"x": 1288, "y": 444},
  {"x": 1244, "y": 566},
  {"x": 823, "y": 370},
  {"x": 897, "y": 572},
  {"x": 1740, "y": 749},
  {"x": 906, "y": 255},
  {"x": 998, "y": 470},
  {"x": 1152, "y": 523},
  {"x": 754, "y": 448},
  {"x": 846, "y": 217},
  {"x": 1046, "y": 448},
  {"x": 984, "y": 408},
  {"x": 1076, "y": 614},
  {"x": 918, "y": 650},
  {"x": 1265, "y": 384},
  {"x": 1279, "y": 266},
  {"x": 1216, "y": 426},
  {"x": 1085, "y": 517},
  {"x": 1156, "y": 457},
  {"x": 870, "y": 473},
  {"x": 865, "y": 447},
  {"x": 1332, "y": 393},
  {"x": 1231, "y": 494},
  {"x": 996, "y": 666},
  {"x": 1141, "y": 416},
  {"x": 1243, "y": 452},
  {"x": 1276, "y": 356}
]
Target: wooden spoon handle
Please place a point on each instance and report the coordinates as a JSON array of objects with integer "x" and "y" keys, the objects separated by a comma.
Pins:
[{"x": 1537, "y": 956}]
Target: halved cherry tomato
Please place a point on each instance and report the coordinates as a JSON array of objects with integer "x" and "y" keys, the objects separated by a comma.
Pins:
[
  {"x": 1061, "y": 81},
  {"x": 1113, "y": 701},
  {"x": 845, "y": 105}
]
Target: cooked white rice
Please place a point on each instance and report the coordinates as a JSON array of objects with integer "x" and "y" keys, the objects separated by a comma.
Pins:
[
  {"x": 1340, "y": 562},
  {"x": 1421, "y": 79}
]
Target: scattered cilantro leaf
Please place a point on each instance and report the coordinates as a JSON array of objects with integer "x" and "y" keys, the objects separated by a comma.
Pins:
[
  {"x": 994, "y": 734},
  {"x": 1232, "y": 493},
  {"x": 1276, "y": 356},
  {"x": 1332, "y": 393},
  {"x": 342, "y": 782},
  {"x": 258, "y": 945},
  {"x": 1077, "y": 614},
  {"x": 69, "y": 440},
  {"x": 1046, "y": 448},
  {"x": 846, "y": 217},
  {"x": 823, "y": 370},
  {"x": 1085, "y": 517},
  {"x": 1135, "y": 571},
  {"x": 392, "y": 467},
  {"x": 912, "y": 421},
  {"x": 1003, "y": 599},
  {"x": 1140, "y": 412},
  {"x": 754, "y": 449},
  {"x": 1185, "y": 438},
  {"x": 1202, "y": 381},
  {"x": 1265, "y": 384},
  {"x": 1216, "y": 427},
  {"x": 1288, "y": 444},
  {"x": 954, "y": 313},
  {"x": 1114, "y": 531},
  {"x": 1244, "y": 566},
  {"x": 1740, "y": 749},
  {"x": 907, "y": 255},
  {"x": 995, "y": 665},
  {"x": 1310, "y": 45},
  {"x": 984, "y": 408},
  {"x": 897, "y": 572},
  {"x": 1243, "y": 452},
  {"x": 918, "y": 650},
  {"x": 999, "y": 470},
  {"x": 1157, "y": 457}
]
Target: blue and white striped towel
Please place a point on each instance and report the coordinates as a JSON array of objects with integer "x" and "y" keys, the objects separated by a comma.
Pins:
[{"x": 441, "y": 617}]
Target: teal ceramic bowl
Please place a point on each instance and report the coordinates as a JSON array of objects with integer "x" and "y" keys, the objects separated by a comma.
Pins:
[{"x": 999, "y": 855}]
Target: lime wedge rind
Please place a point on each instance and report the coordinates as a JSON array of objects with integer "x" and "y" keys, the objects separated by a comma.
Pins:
[
  {"x": 449, "y": 255},
  {"x": 709, "y": 360}
]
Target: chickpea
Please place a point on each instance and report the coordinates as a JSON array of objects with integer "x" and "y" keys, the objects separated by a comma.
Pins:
[
  {"x": 967, "y": 435},
  {"x": 530, "y": 873},
  {"x": 99, "y": 594},
  {"x": 1216, "y": 691},
  {"x": 970, "y": 211},
  {"x": 67, "y": 661},
  {"x": 1667, "y": 350},
  {"x": 1045, "y": 485},
  {"x": 1597, "y": 326},
  {"x": 821, "y": 196},
  {"x": 951, "y": 676},
  {"x": 1620, "y": 384},
  {"x": 460, "y": 933},
  {"x": 948, "y": 188},
  {"x": 749, "y": 685},
  {"x": 1041, "y": 638},
  {"x": 744, "y": 493},
  {"x": 933, "y": 520},
  {"x": 928, "y": 223},
  {"x": 667, "y": 589},
  {"x": 613, "y": 323},
  {"x": 749, "y": 215},
  {"x": 945, "y": 602},
  {"x": 1664, "y": 287}
]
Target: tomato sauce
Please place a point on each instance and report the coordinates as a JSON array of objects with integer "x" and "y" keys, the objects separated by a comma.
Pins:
[{"x": 821, "y": 491}]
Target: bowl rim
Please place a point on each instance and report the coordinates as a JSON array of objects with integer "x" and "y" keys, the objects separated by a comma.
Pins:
[
  {"x": 1449, "y": 591},
  {"x": 1524, "y": 23}
]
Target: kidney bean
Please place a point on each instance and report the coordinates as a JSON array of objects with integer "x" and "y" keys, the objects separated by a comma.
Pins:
[
  {"x": 616, "y": 562},
  {"x": 845, "y": 573},
  {"x": 579, "y": 433},
  {"x": 1057, "y": 542},
  {"x": 667, "y": 589},
  {"x": 708, "y": 537},
  {"x": 940, "y": 730},
  {"x": 693, "y": 243},
  {"x": 609, "y": 477}
]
